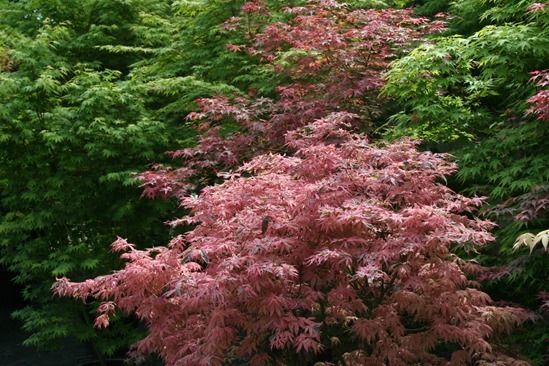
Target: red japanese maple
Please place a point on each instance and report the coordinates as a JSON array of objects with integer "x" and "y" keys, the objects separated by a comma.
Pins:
[
  {"x": 338, "y": 253},
  {"x": 332, "y": 59}
]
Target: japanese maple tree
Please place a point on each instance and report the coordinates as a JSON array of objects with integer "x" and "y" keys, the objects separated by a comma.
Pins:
[
  {"x": 331, "y": 58},
  {"x": 337, "y": 253}
]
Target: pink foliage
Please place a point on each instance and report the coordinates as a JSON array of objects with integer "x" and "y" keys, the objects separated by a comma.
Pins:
[
  {"x": 540, "y": 101},
  {"x": 253, "y": 7},
  {"x": 339, "y": 252},
  {"x": 332, "y": 58},
  {"x": 537, "y": 7}
]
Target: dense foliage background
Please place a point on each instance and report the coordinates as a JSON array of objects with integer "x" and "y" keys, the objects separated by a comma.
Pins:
[{"x": 93, "y": 93}]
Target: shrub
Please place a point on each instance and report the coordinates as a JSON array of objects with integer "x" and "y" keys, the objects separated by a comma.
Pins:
[{"x": 339, "y": 253}]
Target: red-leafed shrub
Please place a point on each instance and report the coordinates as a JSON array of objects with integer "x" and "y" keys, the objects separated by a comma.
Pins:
[
  {"x": 339, "y": 253},
  {"x": 331, "y": 59}
]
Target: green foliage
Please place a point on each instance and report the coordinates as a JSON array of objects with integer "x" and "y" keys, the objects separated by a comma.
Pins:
[
  {"x": 88, "y": 25},
  {"x": 512, "y": 161},
  {"x": 73, "y": 130},
  {"x": 530, "y": 340},
  {"x": 457, "y": 88},
  {"x": 54, "y": 324},
  {"x": 471, "y": 15},
  {"x": 431, "y": 7},
  {"x": 185, "y": 45},
  {"x": 434, "y": 80},
  {"x": 92, "y": 93}
]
